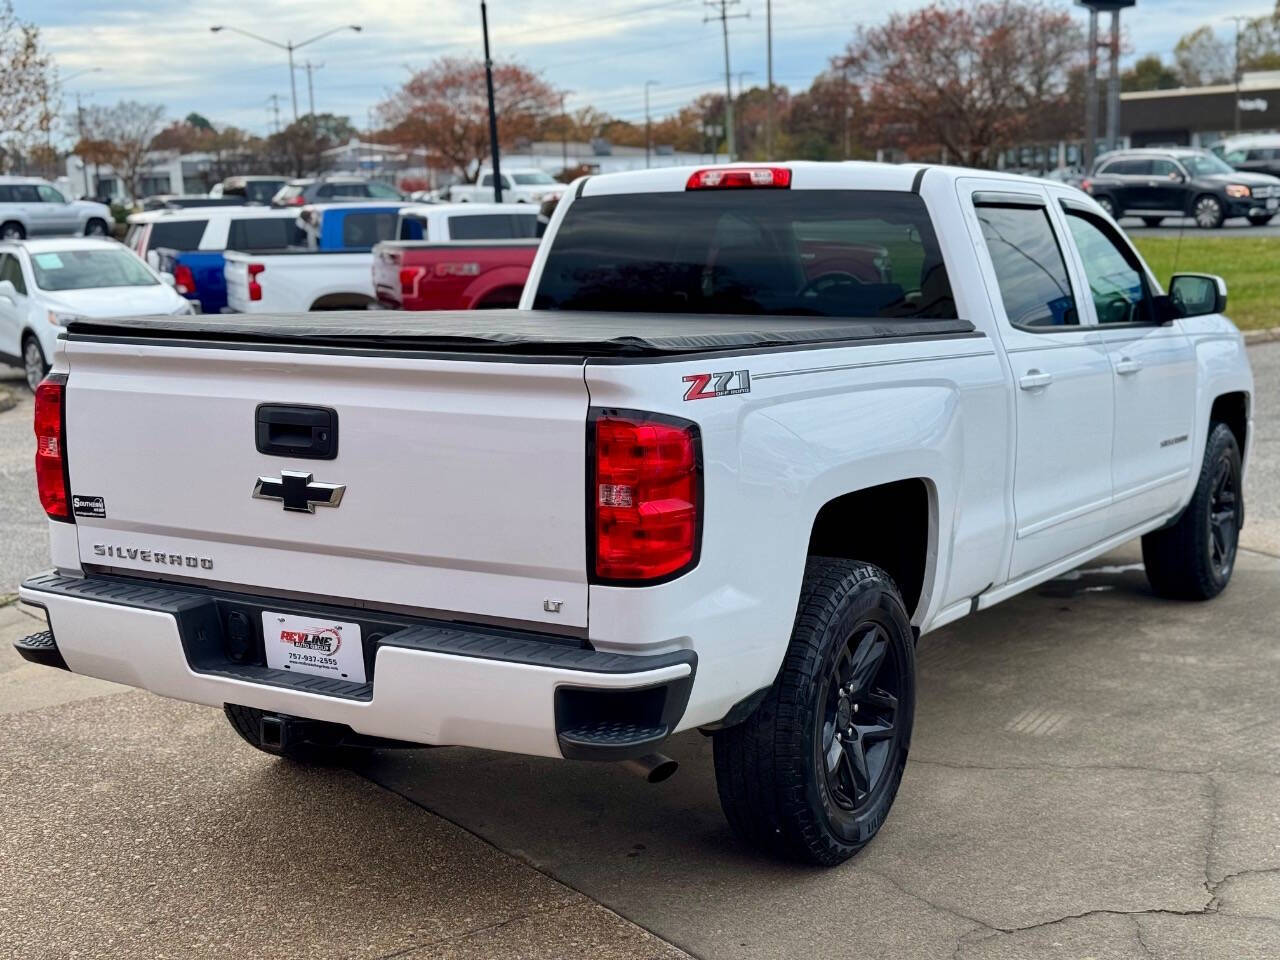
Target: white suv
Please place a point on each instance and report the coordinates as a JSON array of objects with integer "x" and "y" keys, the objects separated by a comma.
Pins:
[{"x": 30, "y": 207}]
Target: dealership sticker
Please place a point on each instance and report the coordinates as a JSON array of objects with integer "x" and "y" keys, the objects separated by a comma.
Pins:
[
  {"x": 325, "y": 648},
  {"x": 88, "y": 506}
]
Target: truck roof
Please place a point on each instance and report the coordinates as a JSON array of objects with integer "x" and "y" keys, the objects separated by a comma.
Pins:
[{"x": 527, "y": 332}]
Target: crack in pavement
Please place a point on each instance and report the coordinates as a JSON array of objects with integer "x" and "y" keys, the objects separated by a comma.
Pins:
[
  {"x": 486, "y": 928},
  {"x": 1104, "y": 767}
]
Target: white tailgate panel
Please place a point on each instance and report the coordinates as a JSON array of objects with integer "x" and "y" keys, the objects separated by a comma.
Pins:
[{"x": 464, "y": 480}]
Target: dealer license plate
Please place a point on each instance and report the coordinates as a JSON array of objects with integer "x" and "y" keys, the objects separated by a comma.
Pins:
[{"x": 326, "y": 648}]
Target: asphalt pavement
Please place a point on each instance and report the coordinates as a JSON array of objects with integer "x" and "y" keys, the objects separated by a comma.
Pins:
[
  {"x": 1172, "y": 226},
  {"x": 1094, "y": 773}
]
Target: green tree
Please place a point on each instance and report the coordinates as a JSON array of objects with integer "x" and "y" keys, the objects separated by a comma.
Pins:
[{"x": 1149, "y": 73}]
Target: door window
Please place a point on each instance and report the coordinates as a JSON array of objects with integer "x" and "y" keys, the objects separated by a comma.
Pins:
[
  {"x": 1117, "y": 281},
  {"x": 1029, "y": 267},
  {"x": 11, "y": 270},
  {"x": 1165, "y": 169},
  {"x": 176, "y": 234},
  {"x": 265, "y": 233},
  {"x": 50, "y": 195}
]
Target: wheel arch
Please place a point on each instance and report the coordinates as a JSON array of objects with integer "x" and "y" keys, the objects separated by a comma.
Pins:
[
  {"x": 892, "y": 525},
  {"x": 342, "y": 300},
  {"x": 1233, "y": 410}
]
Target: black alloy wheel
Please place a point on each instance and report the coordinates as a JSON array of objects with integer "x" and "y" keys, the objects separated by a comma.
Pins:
[{"x": 1224, "y": 517}]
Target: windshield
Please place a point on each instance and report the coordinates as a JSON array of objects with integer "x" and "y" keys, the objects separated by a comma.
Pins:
[
  {"x": 851, "y": 253},
  {"x": 531, "y": 179},
  {"x": 88, "y": 269},
  {"x": 1205, "y": 165}
]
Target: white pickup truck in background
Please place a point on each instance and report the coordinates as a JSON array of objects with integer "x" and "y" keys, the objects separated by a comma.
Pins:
[
  {"x": 518, "y": 186},
  {"x": 754, "y": 430}
]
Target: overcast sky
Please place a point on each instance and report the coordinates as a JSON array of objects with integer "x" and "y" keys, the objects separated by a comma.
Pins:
[{"x": 602, "y": 51}]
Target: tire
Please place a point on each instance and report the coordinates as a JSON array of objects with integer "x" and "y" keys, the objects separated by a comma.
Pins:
[
  {"x": 772, "y": 770},
  {"x": 34, "y": 362},
  {"x": 1153, "y": 222},
  {"x": 1208, "y": 212},
  {"x": 12, "y": 230},
  {"x": 1107, "y": 206},
  {"x": 1194, "y": 558},
  {"x": 97, "y": 227},
  {"x": 1259, "y": 221},
  {"x": 324, "y": 746}
]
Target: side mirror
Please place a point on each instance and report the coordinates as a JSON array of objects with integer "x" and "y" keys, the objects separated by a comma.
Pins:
[
  {"x": 7, "y": 290},
  {"x": 1197, "y": 294},
  {"x": 169, "y": 278}
]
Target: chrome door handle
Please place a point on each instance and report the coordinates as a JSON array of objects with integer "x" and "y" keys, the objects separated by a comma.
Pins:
[
  {"x": 1126, "y": 366},
  {"x": 1034, "y": 379}
]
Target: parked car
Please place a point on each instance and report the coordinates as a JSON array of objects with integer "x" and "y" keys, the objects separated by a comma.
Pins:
[
  {"x": 31, "y": 207},
  {"x": 179, "y": 201},
  {"x": 696, "y": 482},
  {"x": 251, "y": 189},
  {"x": 518, "y": 186},
  {"x": 199, "y": 271},
  {"x": 1256, "y": 153},
  {"x": 330, "y": 270},
  {"x": 1071, "y": 176},
  {"x": 44, "y": 284},
  {"x": 1155, "y": 184},
  {"x": 440, "y": 222},
  {"x": 298, "y": 193},
  {"x": 463, "y": 275}
]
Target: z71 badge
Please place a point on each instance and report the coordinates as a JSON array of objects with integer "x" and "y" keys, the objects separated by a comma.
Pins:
[{"x": 704, "y": 386}]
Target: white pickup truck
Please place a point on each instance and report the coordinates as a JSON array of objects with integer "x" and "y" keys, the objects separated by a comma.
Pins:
[
  {"x": 518, "y": 186},
  {"x": 751, "y": 433}
]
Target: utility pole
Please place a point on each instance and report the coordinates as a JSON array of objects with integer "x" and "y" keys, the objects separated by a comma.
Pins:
[
  {"x": 724, "y": 16},
  {"x": 1238, "y": 20},
  {"x": 648, "y": 125},
  {"x": 564, "y": 137},
  {"x": 274, "y": 101},
  {"x": 1091, "y": 95},
  {"x": 493, "y": 110},
  {"x": 311, "y": 93},
  {"x": 768, "y": 46},
  {"x": 1113, "y": 84}
]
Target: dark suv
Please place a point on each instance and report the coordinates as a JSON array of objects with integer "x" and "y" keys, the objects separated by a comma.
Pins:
[
  {"x": 297, "y": 193},
  {"x": 1154, "y": 184}
]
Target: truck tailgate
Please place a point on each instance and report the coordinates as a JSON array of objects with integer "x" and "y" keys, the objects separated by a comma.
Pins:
[{"x": 464, "y": 480}]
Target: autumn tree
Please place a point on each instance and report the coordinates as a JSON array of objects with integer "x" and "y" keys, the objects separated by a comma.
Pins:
[
  {"x": 120, "y": 136},
  {"x": 969, "y": 76},
  {"x": 443, "y": 110},
  {"x": 28, "y": 85},
  {"x": 1202, "y": 58},
  {"x": 298, "y": 149}
]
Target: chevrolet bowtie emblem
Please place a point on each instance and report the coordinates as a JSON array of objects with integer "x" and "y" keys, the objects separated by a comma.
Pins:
[{"x": 298, "y": 491}]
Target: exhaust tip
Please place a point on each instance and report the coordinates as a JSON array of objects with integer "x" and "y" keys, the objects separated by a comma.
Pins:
[{"x": 653, "y": 768}]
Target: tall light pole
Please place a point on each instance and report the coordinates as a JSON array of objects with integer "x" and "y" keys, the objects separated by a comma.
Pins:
[
  {"x": 80, "y": 125},
  {"x": 493, "y": 109},
  {"x": 289, "y": 46},
  {"x": 768, "y": 46},
  {"x": 648, "y": 125},
  {"x": 1091, "y": 76},
  {"x": 1238, "y": 20}
]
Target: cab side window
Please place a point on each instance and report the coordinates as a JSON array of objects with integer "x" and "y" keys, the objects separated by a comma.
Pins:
[
  {"x": 1165, "y": 169},
  {"x": 11, "y": 270},
  {"x": 49, "y": 195},
  {"x": 1029, "y": 266},
  {"x": 1117, "y": 282}
]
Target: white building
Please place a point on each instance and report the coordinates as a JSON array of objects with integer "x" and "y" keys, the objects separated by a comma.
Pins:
[{"x": 166, "y": 171}]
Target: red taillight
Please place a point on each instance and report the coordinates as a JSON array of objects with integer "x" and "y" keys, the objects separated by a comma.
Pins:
[
  {"x": 297, "y": 201},
  {"x": 184, "y": 279},
  {"x": 51, "y": 451},
  {"x": 409, "y": 278},
  {"x": 255, "y": 288},
  {"x": 736, "y": 178},
  {"x": 646, "y": 492},
  {"x": 1086, "y": 185}
]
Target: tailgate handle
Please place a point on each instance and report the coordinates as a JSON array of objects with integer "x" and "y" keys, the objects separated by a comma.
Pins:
[{"x": 288, "y": 430}]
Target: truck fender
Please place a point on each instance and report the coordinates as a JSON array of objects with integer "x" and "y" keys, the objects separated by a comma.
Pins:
[{"x": 487, "y": 283}]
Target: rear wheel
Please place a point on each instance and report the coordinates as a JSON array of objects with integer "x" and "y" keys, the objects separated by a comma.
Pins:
[
  {"x": 12, "y": 230},
  {"x": 1194, "y": 558},
  {"x": 1208, "y": 213},
  {"x": 1260, "y": 221},
  {"x": 96, "y": 227},
  {"x": 1107, "y": 206},
  {"x": 1153, "y": 221},
  {"x": 34, "y": 363},
  {"x": 812, "y": 773}
]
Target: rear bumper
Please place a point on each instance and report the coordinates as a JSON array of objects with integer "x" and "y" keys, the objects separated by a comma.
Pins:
[{"x": 431, "y": 682}]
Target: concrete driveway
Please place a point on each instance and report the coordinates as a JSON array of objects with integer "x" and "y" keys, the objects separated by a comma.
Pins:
[{"x": 1094, "y": 773}]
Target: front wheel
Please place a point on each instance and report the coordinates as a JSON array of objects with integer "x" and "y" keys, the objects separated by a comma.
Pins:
[
  {"x": 95, "y": 228},
  {"x": 1107, "y": 206},
  {"x": 1194, "y": 558},
  {"x": 1153, "y": 222},
  {"x": 1261, "y": 221},
  {"x": 812, "y": 773},
  {"x": 34, "y": 363},
  {"x": 1208, "y": 213},
  {"x": 12, "y": 230}
]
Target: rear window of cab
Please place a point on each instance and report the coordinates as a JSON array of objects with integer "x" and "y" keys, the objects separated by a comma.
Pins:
[{"x": 831, "y": 253}]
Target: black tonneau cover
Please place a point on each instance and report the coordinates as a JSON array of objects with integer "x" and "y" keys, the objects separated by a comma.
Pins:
[{"x": 536, "y": 332}]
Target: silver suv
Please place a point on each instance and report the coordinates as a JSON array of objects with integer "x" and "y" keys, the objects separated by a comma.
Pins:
[{"x": 30, "y": 207}]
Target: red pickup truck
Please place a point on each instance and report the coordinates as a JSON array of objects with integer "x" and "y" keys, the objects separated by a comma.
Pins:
[{"x": 421, "y": 275}]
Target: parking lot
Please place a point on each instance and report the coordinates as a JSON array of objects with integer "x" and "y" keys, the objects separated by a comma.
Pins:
[{"x": 1094, "y": 773}]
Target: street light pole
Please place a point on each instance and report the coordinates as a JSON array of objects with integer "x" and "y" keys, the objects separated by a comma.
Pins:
[
  {"x": 493, "y": 110},
  {"x": 648, "y": 126},
  {"x": 768, "y": 44},
  {"x": 289, "y": 46},
  {"x": 1236, "y": 76},
  {"x": 724, "y": 17}
]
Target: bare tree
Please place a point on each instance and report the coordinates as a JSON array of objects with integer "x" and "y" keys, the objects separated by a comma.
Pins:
[
  {"x": 28, "y": 85},
  {"x": 1202, "y": 58},
  {"x": 124, "y": 134}
]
